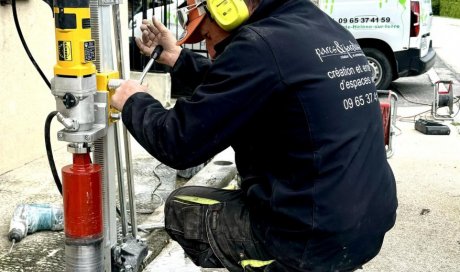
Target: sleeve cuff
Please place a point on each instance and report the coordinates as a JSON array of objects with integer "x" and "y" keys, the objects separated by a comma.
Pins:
[
  {"x": 179, "y": 62},
  {"x": 126, "y": 113}
]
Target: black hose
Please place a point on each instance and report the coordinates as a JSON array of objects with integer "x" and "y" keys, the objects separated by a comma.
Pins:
[
  {"x": 49, "y": 154},
  {"x": 49, "y": 151},
  {"x": 23, "y": 41}
]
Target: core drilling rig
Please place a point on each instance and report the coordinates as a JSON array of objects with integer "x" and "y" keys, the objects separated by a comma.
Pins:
[{"x": 89, "y": 53}]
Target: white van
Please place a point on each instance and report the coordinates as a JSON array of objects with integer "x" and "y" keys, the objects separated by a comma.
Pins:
[{"x": 394, "y": 34}]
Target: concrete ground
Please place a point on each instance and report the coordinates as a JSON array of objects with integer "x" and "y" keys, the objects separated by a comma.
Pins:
[
  {"x": 426, "y": 236},
  {"x": 33, "y": 183}
]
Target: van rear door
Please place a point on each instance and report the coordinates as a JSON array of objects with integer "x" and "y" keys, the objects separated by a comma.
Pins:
[{"x": 421, "y": 18}]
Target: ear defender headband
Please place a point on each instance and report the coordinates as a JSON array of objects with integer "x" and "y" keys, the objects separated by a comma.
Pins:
[{"x": 228, "y": 14}]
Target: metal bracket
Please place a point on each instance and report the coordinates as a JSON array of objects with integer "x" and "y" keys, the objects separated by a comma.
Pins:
[
  {"x": 99, "y": 128},
  {"x": 129, "y": 256}
]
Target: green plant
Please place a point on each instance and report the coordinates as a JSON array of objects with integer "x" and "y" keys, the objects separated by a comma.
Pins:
[
  {"x": 450, "y": 8},
  {"x": 435, "y": 4}
]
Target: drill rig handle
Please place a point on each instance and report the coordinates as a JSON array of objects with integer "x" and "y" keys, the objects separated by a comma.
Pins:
[{"x": 114, "y": 83}]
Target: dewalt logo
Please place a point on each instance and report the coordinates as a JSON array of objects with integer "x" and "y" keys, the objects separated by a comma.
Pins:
[{"x": 65, "y": 50}]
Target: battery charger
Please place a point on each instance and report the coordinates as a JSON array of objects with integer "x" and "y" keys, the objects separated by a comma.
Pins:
[{"x": 431, "y": 127}]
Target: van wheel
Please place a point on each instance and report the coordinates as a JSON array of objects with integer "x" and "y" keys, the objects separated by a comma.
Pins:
[{"x": 380, "y": 67}]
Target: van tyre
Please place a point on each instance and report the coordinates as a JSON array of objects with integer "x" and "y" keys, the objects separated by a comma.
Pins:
[{"x": 382, "y": 73}]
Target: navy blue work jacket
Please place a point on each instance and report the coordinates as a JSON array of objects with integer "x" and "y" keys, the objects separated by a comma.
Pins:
[{"x": 291, "y": 92}]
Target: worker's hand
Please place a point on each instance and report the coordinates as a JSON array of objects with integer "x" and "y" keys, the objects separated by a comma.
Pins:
[
  {"x": 157, "y": 34},
  {"x": 124, "y": 91}
]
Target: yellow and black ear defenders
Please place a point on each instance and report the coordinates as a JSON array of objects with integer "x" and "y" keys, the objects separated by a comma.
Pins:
[{"x": 228, "y": 14}]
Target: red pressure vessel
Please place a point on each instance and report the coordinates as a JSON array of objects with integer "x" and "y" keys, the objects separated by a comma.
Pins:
[{"x": 82, "y": 190}]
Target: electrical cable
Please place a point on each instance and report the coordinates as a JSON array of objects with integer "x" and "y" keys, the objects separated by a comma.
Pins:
[
  {"x": 153, "y": 193},
  {"x": 452, "y": 116},
  {"x": 49, "y": 150},
  {"x": 410, "y": 101},
  {"x": 129, "y": 223},
  {"x": 458, "y": 106},
  {"x": 24, "y": 44},
  {"x": 411, "y": 118},
  {"x": 52, "y": 114}
]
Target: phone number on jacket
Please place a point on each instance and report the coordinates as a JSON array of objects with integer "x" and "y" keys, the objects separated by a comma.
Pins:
[{"x": 360, "y": 100}]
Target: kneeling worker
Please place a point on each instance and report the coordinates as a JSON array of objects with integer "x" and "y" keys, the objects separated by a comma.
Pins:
[{"x": 290, "y": 90}]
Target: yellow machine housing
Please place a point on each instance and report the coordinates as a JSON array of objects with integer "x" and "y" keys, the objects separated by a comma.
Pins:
[{"x": 75, "y": 50}]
